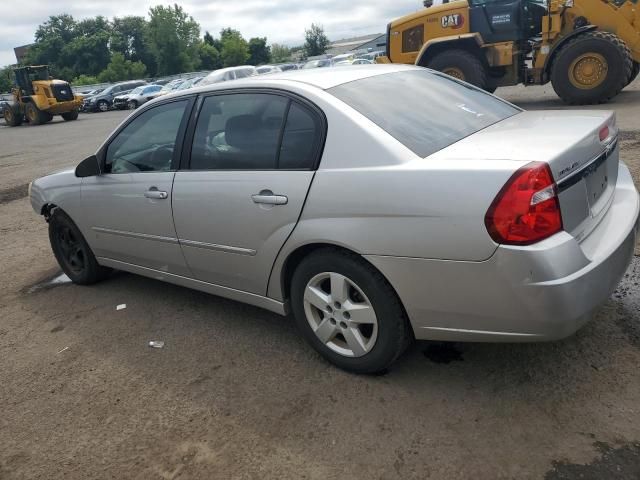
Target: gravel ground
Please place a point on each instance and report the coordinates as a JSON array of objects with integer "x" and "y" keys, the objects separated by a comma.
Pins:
[{"x": 236, "y": 393}]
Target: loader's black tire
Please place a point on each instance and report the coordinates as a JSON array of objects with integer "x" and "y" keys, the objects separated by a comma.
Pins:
[
  {"x": 34, "y": 115},
  {"x": 583, "y": 54},
  {"x": 70, "y": 116},
  {"x": 462, "y": 65},
  {"x": 12, "y": 115},
  {"x": 635, "y": 70}
]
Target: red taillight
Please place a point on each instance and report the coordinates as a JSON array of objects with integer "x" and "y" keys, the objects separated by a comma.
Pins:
[
  {"x": 604, "y": 133},
  {"x": 527, "y": 209}
]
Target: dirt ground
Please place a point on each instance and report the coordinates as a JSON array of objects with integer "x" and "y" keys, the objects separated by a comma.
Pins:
[{"x": 236, "y": 394}]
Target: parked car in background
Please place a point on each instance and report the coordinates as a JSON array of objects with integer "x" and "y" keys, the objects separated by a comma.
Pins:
[
  {"x": 287, "y": 66},
  {"x": 344, "y": 63},
  {"x": 136, "y": 97},
  {"x": 345, "y": 57},
  {"x": 362, "y": 61},
  {"x": 168, "y": 87},
  {"x": 190, "y": 83},
  {"x": 266, "y": 69},
  {"x": 267, "y": 205},
  {"x": 104, "y": 100},
  {"x": 4, "y": 99},
  {"x": 227, "y": 74},
  {"x": 321, "y": 63}
]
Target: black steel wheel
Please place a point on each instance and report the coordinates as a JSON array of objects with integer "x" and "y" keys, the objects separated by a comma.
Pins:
[{"x": 73, "y": 252}]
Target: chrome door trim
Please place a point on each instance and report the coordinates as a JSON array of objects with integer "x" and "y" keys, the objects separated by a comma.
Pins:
[
  {"x": 141, "y": 236},
  {"x": 219, "y": 248},
  {"x": 260, "y": 301}
]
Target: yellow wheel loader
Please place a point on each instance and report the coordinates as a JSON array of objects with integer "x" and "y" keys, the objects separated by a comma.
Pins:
[
  {"x": 37, "y": 98},
  {"x": 588, "y": 49}
]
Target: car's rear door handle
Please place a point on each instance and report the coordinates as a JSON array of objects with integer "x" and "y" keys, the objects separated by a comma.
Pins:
[
  {"x": 156, "y": 194},
  {"x": 267, "y": 197}
]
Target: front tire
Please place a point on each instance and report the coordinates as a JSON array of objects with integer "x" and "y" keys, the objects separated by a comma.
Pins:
[
  {"x": 591, "y": 68},
  {"x": 70, "y": 116},
  {"x": 348, "y": 311},
  {"x": 132, "y": 105},
  {"x": 73, "y": 252},
  {"x": 462, "y": 65},
  {"x": 103, "y": 106}
]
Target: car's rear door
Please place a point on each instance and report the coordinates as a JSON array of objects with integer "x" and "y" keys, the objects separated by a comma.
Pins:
[
  {"x": 251, "y": 165},
  {"x": 128, "y": 206}
]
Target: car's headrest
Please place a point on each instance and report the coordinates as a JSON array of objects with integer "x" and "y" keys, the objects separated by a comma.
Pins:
[{"x": 240, "y": 130}]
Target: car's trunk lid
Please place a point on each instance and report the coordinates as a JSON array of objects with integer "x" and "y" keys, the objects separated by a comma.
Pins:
[{"x": 584, "y": 166}]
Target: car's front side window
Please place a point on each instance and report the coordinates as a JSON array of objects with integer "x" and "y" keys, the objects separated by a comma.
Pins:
[{"x": 147, "y": 144}]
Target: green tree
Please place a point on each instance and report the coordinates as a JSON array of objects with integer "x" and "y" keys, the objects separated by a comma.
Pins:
[
  {"x": 280, "y": 53},
  {"x": 316, "y": 42},
  {"x": 209, "y": 57},
  {"x": 6, "y": 79},
  {"x": 235, "y": 50},
  {"x": 50, "y": 39},
  {"x": 122, "y": 69},
  {"x": 86, "y": 80},
  {"x": 174, "y": 37},
  {"x": 128, "y": 37},
  {"x": 208, "y": 39},
  {"x": 259, "y": 52}
]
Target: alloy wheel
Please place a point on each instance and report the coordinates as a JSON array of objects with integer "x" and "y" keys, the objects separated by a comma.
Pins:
[
  {"x": 340, "y": 314},
  {"x": 103, "y": 106}
]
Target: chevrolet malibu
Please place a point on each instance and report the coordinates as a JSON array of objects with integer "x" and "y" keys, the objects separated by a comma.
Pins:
[{"x": 378, "y": 204}]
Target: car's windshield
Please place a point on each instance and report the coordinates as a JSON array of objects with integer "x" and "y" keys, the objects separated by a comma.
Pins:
[
  {"x": 136, "y": 91},
  {"x": 448, "y": 110}
]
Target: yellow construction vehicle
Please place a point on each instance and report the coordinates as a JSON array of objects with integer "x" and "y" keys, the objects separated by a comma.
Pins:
[
  {"x": 37, "y": 98},
  {"x": 588, "y": 49}
]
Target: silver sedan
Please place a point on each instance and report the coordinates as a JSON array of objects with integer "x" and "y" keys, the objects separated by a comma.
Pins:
[{"x": 378, "y": 204}]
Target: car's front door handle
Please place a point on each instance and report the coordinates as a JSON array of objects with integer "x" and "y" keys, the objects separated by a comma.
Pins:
[
  {"x": 156, "y": 194},
  {"x": 267, "y": 197}
]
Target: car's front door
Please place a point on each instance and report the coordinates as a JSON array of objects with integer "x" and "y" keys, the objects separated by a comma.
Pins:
[
  {"x": 251, "y": 165},
  {"x": 128, "y": 206}
]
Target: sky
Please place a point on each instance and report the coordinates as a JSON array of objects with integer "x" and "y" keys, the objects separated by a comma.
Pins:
[{"x": 281, "y": 21}]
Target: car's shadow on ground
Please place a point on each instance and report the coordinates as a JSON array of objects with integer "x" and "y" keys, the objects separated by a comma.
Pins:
[{"x": 176, "y": 313}]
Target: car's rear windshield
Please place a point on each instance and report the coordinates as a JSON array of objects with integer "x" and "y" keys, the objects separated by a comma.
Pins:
[{"x": 424, "y": 110}]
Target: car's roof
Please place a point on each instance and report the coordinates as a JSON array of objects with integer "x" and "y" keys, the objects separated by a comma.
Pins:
[{"x": 323, "y": 78}]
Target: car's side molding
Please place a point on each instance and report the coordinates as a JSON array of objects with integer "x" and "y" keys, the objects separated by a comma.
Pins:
[{"x": 274, "y": 306}]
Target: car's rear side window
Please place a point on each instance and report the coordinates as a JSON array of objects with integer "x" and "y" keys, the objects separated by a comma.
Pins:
[{"x": 424, "y": 110}]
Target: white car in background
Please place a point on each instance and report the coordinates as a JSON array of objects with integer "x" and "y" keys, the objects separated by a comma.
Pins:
[
  {"x": 136, "y": 97},
  {"x": 265, "y": 69},
  {"x": 227, "y": 74}
]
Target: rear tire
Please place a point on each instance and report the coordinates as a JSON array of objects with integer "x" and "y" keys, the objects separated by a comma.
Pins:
[
  {"x": 73, "y": 252},
  {"x": 591, "y": 68},
  {"x": 462, "y": 65},
  {"x": 35, "y": 116},
  {"x": 635, "y": 70},
  {"x": 379, "y": 337},
  {"x": 70, "y": 116},
  {"x": 12, "y": 115}
]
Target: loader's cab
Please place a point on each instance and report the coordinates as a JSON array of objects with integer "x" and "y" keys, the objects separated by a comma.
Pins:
[
  {"x": 25, "y": 76},
  {"x": 506, "y": 20}
]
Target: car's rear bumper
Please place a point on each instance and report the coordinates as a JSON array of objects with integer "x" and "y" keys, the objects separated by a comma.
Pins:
[{"x": 542, "y": 292}]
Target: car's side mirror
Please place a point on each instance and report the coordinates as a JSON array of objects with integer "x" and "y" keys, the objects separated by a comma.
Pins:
[{"x": 89, "y": 167}]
